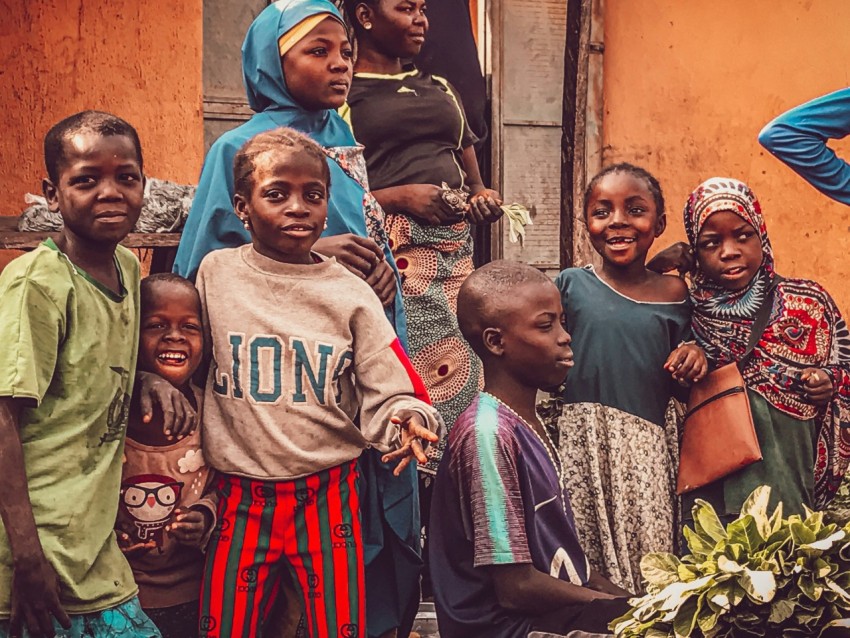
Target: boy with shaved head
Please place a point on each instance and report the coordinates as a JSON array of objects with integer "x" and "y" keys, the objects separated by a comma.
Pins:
[{"x": 505, "y": 557}]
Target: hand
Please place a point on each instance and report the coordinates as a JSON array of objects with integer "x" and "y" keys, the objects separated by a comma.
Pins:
[
  {"x": 817, "y": 385},
  {"x": 359, "y": 254},
  {"x": 130, "y": 548},
  {"x": 383, "y": 282},
  {"x": 679, "y": 257},
  {"x": 425, "y": 203},
  {"x": 485, "y": 207},
  {"x": 188, "y": 526},
  {"x": 35, "y": 599},
  {"x": 413, "y": 431},
  {"x": 178, "y": 415},
  {"x": 687, "y": 364}
]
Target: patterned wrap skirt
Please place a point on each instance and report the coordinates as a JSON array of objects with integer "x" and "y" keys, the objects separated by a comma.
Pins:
[{"x": 434, "y": 261}]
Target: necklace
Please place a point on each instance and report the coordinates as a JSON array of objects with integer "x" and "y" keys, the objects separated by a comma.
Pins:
[{"x": 547, "y": 444}]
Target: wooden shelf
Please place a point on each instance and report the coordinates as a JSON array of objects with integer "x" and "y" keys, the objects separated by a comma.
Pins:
[{"x": 13, "y": 239}]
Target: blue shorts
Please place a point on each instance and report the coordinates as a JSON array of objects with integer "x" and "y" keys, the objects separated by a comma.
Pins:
[{"x": 124, "y": 621}]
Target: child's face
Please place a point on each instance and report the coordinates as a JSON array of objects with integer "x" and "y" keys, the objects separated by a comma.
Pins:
[
  {"x": 622, "y": 218},
  {"x": 100, "y": 188},
  {"x": 729, "y": 250},
  {"x": 171, "y": 340},
  {"x": 288, "y": 205},
  {"x": 318, "y": 68},
  {"x": 535, "y": 344}
]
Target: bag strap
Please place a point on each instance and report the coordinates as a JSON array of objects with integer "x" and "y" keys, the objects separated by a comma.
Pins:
[{"x": 761, "y": 319}]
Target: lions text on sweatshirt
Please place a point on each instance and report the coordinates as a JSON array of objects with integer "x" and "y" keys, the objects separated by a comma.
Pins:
[{"x": 306, "y": 370}]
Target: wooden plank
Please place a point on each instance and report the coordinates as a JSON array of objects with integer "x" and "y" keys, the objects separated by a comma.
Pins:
[{"x": 14, "y": 240}]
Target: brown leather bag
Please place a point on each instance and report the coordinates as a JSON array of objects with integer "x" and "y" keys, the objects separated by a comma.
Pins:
[{"x": 719, "y": 436}]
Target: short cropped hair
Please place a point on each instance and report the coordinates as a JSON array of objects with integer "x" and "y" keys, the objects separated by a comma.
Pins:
[
  {"x": 97, "y": 122},
  {"x": 637, "y": 172},
  {"x": 486, "y": 295},
  {"x": 147, "y": 285},
  {"x": 275, "y": 139}
]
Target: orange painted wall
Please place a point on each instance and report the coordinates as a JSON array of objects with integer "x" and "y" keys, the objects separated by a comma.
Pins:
[
  {"x": 687, "y": 88},
  {"x": 139, "y": 59}
]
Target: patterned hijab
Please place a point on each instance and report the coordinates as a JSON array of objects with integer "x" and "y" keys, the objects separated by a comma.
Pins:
[{"x": 805, "y": 330}]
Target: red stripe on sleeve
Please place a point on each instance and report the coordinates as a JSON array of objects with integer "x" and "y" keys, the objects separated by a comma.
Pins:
[{"x": 419, "y": 389}]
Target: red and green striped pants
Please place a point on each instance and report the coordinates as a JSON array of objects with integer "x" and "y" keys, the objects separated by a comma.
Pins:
[{"x": 310, "y": 526}]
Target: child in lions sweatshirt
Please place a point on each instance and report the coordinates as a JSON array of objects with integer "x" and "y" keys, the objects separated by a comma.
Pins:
[{"x": 306, "y": 372}]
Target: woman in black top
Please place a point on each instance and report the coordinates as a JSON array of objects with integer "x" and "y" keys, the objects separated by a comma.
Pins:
[{"x": 423, "y": 170}]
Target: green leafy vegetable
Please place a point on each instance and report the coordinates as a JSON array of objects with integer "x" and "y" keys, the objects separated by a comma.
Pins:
[{"x": 761, "y": 575}]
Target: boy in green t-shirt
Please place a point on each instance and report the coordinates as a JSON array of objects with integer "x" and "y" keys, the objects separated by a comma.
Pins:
[{"x": 69, "y": 325}]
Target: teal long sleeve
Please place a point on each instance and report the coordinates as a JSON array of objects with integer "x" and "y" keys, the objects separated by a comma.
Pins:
[{"x": 799, "y": 139}]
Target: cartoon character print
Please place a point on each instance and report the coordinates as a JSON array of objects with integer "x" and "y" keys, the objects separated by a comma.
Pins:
[{"x": 149, "y": 500}]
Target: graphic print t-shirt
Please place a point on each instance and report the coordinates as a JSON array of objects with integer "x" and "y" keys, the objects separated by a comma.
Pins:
[
  {"x": 156, "y": 482},
  {"x": 497, "y": 501},
  {"x": 69, "y": 347}
]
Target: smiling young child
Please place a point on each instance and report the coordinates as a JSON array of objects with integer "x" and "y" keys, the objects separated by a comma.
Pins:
[
  {"x": 69, "y": 327},
  {"x": 505, "y": 557},
  {"x": 798, "y": 377},
  {"x": 306, "y": 373},
  {"x": 628, "y": 325},
  {"x": 164, "y": 516}
]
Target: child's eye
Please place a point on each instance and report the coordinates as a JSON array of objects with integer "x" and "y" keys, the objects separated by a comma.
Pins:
[
  {"x": 315, "y": 196},
  {"x": 744, "y": 236},
  {"x": 192, "y": 326},
  {"x": 708, "y": 244},
  {"x": 600, "y": 212},
  {"x": 154, "y": 326},
  {"x": 82, "y": 180},
  {"x": 637, "y": 210},
  {"x": 274, "y": 195},
  {"x": 348, "y": 53},
  {"x": 130, "y": 177},
  {"x": 318, "y": 51}
]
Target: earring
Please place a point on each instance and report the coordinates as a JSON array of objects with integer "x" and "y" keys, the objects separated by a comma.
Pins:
[
  {"x": 326, "y": 224},
  {"x": 367, "y": 25},
  {"x": 246, "y": 223}
]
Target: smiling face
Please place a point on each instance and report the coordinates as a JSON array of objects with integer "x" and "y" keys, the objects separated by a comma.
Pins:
[
  {"x": 533, "y": 342},
  {"x": 171, "y": 341},
  {"x": 398, "y": 28},
  {"x": 622, "y": 218},
  {"x": 729, "y": 250},
  {"x": 318, "y": 68},
  {"x": 288, "y": 205},
  {"x": 100, "y": 187}
]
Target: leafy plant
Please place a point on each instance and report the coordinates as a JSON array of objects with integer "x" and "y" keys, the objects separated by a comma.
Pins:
[{"x": 761, "y": 575}]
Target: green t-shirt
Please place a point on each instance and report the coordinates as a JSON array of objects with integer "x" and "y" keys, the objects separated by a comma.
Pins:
[{"x": 69, "y": 344}]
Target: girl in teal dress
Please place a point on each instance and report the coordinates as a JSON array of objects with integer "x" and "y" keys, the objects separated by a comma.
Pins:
[
  {"x": 798, "y": 378},
  {"x": 628, "y": 326}
]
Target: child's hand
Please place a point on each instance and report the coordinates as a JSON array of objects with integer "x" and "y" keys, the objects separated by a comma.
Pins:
[
  {"x": 188, "y": 526},
  {"x": 178, "y": 415},
  {"x": 687, "y": 364},
  {"x": 130, "y": 548},
  {"x": 413, "y": 431},
  {"x": 35, "y": 599},
  {"x": 817, "y": 385},
  {"x": 679, "y": 257},
  {"x": 383, "y": 282}
]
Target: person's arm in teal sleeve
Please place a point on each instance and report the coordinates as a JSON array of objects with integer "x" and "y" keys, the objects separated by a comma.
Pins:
[
  {"x": 211, "y": 224},
  {"x": 798, "y": 138}
]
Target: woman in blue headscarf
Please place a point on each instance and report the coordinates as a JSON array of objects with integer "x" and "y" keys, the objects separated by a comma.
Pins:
[{"x": 303, "y": 92}]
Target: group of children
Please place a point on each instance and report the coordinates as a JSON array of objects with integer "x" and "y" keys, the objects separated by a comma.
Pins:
[{"x": 205, "y": 459}]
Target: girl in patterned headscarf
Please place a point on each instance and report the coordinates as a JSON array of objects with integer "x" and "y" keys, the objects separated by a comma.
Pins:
[{"x": 798, "y": 378}]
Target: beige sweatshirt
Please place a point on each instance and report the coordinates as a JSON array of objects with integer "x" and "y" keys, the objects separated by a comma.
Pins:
[{"x": 306, "y": 370}]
